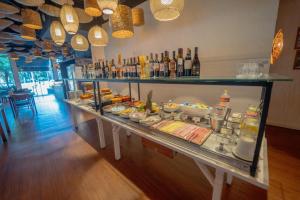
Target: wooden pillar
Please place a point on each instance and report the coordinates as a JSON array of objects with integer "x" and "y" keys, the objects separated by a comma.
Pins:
[{"x": 15, "y": 72}]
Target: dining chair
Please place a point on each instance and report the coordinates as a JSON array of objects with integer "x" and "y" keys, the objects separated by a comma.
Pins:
[{"x": 23, "y": 100}]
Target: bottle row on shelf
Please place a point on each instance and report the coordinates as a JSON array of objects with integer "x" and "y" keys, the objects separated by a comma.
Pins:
[{"x": 147, "y": 67}]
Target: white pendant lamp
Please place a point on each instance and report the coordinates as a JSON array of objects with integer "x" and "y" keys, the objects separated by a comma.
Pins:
[
  {"x": 79, "y": 43},
  {"x": 108, "y": 7},
  {"x": 98, "y": 36},
  {"x": 57, "y": 33},
  {"x": 166, "y": 10},
  {"x": 69, "y": 19}
]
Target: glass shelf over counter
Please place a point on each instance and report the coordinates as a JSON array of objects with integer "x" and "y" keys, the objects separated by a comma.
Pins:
[{"x": 203, "y": 80}]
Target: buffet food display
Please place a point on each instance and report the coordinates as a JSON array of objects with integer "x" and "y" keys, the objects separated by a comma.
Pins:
[{"x": 214, "y": 127}]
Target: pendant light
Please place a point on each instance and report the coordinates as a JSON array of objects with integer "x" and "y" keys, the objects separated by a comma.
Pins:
[
  {"x": 37, "y": 53},
  {"x": 121, "y": 20},
  {"x": 47, "y": 46},
  {"x": 57, "y": 33},
  {"x": 2, "y": 47},
  {"x": 166, "y": 10},
  {"x": 108, "y": 7},
  {"x": 28, "y": 33},
  {"x": 14, "y": 56},
  {"x": 31, "y": 19},
  {"x": 79, "y": 43},
  {"x": 138, "y": 16},
  {"x": 97, "y": 36},
  {"x": 91, "y": 8},
  {"x": 69, "y": 19}
]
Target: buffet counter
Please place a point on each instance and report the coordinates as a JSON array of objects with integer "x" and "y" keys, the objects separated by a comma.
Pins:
[{"x": 202, "y": 155}]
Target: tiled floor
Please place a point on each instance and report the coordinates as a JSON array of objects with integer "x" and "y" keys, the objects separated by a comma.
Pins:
[{"x": 45, "y": 159}]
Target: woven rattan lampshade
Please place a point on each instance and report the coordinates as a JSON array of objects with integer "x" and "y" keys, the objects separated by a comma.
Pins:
[
  {"x": 62, "y": 2},
  {"x": 69, "y": 19},
  {"x": 7, "y": 36},
  {"x": 91, "y": 8},
  {"x": 2, "y": 47},
  {"x": 28, "y": 33},
  {"x": 8, "y": 9},
  {"x": 50, "y": 10},
  {"x": 16, "y": 28},
  {"x": 138, "y": 16},
  {"x": 4, "y": 23},
  {"x": 28, "y": 59},
  {"x": 121, "y": 20},
  {"x": 57, "y": 33},
  {"x": 37, "y": 53},
  {"x": 97, "y": 36},
  {"x": 47, "y": 46},
  {"x": 82, "y": 16},
  {"x": 33, "y": 3},
  {"x": 15, "y": 17},
  {"x": 166, "y": 10},
  {"x": 108, "y": 7},
  {"x": 79, "y": 43},
  {"x": 31, "y": 19},
  {"x": 14, "y": 56}
]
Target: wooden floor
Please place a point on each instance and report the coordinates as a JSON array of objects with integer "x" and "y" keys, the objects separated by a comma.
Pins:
[{"x": 46, "y": 159}]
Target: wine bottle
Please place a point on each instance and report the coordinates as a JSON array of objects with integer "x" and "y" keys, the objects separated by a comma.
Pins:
[
  {"x": 151, "y": 66},
  {"x": 180, "y": 63},
  {"x": 131, "y": 66},
  {"x": 119, "y": 67},
  {"x": 124, "y": 70},
  {"x": 172, "y": 65},
  {"x": 188, "y": 63},
  {"x": 113, "y": 69},
  {"x": 146, "y": 70},
  {"x": 196, "y": 64},
  {"x": 138, "y": 67},
  {"x": 162, "y": 66},
  {"x": 167, "y": 64},
  {"x": 107, "y": 70},
  {"x": 156, "y": 66}
]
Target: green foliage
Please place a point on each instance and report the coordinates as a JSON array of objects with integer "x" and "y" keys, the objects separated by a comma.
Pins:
[{"x": 6, "y": 76}]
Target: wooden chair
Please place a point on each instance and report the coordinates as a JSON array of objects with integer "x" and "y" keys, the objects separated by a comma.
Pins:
[{"x": 23, "y": 100}]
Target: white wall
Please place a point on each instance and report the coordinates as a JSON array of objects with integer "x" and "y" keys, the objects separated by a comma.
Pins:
[
  {"x": 226, "y": 32},
  {"x": 285, "y": 102}
]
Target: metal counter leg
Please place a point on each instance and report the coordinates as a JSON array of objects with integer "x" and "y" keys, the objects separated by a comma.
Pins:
[
  {"x": 73, "y": 112},
  {"x": 229, "y": 179},
  {"x": 101, "y": 133},
  {"x": 116, "y": 139},
  {"x": 218, "y": 184}
]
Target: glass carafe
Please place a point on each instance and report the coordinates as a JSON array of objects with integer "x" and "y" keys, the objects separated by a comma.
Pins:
[{"x": 248, "y": 134}]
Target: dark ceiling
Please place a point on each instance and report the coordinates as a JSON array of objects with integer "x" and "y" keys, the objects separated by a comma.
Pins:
[{"x": 46, "y": 20}]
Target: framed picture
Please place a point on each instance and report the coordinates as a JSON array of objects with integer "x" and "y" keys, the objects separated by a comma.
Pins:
[
  {"x": 297, "y": 60},
  {"x": 297, "y": 42}
]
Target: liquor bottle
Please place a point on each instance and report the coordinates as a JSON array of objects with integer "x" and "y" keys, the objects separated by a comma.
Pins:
[
  {"x": 167, "y": 64},
  {"x": 196, "y": 64},
  {"x": 103, "y": 69},
  {"x": 151, "y": 66},
  {"x": 131, "y": 68},
  {"x": 107, "y": 69},
  {"x": 124, "y": 69},
  {"x": 146, "y": 69},
  {"x": 180, "y": 63},
  {"x": 156, "y": 66},
  {"x": 138, "y": 67},
  {"x": 128, "y": 68},
  {"x": 119, "y": 66},
  {"x": 162, "y": 66},
  {"x": 188, "y": 63},
  {"x": 113, "y": 69},
  {"x": 172, "y": 65},
  {"x": 100, "y": 72}
]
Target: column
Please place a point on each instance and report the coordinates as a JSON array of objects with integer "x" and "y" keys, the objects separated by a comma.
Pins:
[{"x": 15, "y": 72}]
